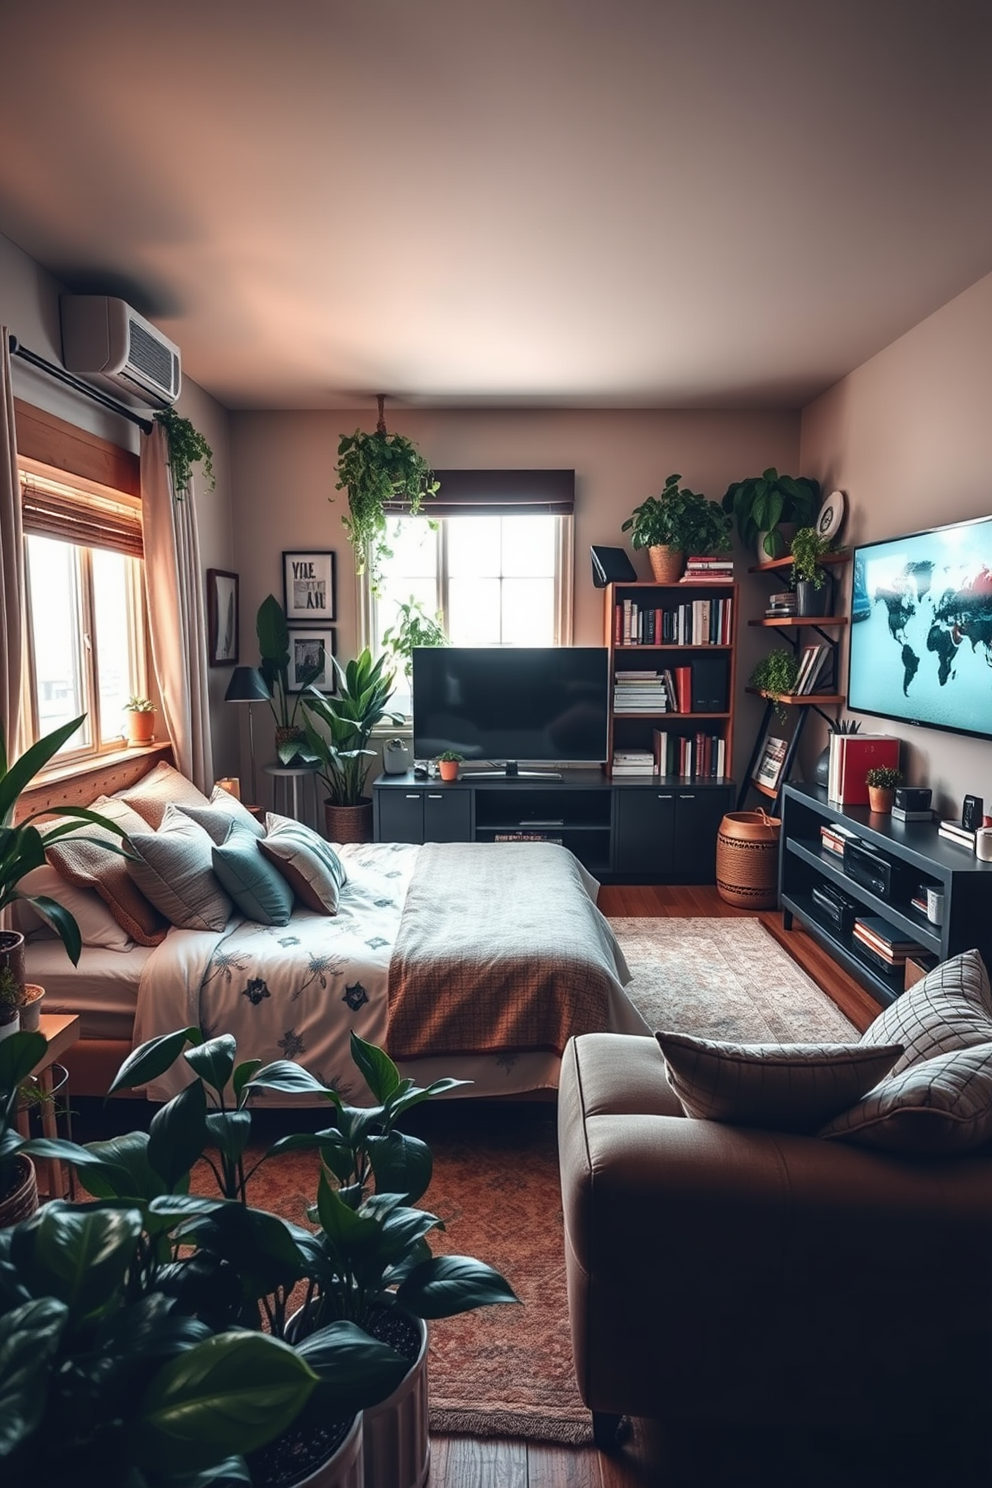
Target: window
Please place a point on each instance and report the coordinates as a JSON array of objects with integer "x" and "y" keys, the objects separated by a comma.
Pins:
[
  {"x": 85, "y": 627},
  {"x": 492, "y": 556}
]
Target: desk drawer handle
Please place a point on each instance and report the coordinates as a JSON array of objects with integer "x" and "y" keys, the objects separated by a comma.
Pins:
[
  {"x": 688, "y": 796},
  {"x": 668, "y": 797},
  {"x": 413, "y": 796},
  {"x": 435, "y": 796}
]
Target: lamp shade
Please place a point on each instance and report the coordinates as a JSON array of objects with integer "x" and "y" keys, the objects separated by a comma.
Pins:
[{"x": 246, "y": 686}]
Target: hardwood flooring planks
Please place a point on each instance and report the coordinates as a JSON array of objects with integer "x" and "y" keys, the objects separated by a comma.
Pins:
[
  {"x": 478, "y": 1462},
  {"x": 563, "y": 1467}
]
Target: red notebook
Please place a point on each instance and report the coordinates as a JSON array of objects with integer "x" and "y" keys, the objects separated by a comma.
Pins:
[{"x": 851, "y": 757}]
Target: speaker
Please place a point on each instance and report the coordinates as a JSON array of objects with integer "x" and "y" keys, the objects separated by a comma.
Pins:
[
  {"x": 709, "y": 684},
  {"x": 611, "y": 566},
  {"x": 912, "y": 798},
  {"x": 396, "y": 759}
]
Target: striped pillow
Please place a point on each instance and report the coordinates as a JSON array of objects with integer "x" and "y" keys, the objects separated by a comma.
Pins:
[
  {"x": 783, "y": 1087},
  {"x": 942, "y": 1105},
  {"x": 309, "y": 865},
  {"x": 951, "y": 1008},
  {"x": 173, "y": 868}
]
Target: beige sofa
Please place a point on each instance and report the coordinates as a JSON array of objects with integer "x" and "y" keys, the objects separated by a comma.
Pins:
[{"x": 734, "y": 1277}]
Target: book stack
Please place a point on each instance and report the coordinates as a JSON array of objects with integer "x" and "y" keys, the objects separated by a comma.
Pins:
[
  {"x": 701, "y": 570},
  {"x": 851, "y": 757},
  {"x": 697, "y": 622},
  {"x": 833, "y": 837},
  {"x": 813, "y": 664},
  {"x": 885, "y": 946},
  {"x": 782, "y": 606},
  {"x": 639, "y": 692},
  {"x": 524, "y": 837},
  {"x": 955, "y": 832},
  {"x": 701, "y": 755},
  {"x": 632, "y": 762}
]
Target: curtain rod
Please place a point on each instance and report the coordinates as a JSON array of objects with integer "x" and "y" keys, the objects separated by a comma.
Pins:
[{"x": 78, "y": 385}]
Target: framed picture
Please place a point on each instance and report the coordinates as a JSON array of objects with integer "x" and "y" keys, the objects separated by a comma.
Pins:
[
  {"x": 222, "y": 617},
  {"x": 309, "y": 659},
  {"x": 769, "y": 770},
  {"x": 308, "y": 588}
]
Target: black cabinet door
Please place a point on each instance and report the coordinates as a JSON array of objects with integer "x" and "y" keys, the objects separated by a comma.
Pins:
[
  {"x": 401, "y": 816},
  {"x": 645, "y": 828},
  {"x": 697, "y": 818},
  {"x": 447, "y": 816}
]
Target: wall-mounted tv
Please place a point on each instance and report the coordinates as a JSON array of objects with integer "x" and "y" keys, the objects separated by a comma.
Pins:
[
  {"x": 921, "y": 628},
  {"x": 502, "y": 704}
]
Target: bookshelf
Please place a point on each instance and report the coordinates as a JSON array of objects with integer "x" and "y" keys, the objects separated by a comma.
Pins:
[{"x": 688, "y": 630}]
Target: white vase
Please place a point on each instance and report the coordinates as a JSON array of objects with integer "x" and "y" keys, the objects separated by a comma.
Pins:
[
  {"x": 397, "y": 1445},
  {"x": 12, "y": 1026}
]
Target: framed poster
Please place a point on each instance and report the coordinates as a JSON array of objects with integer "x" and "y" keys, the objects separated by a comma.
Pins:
[
  {"x": 222, "y": 617},
  {"x": 310, "y": 653},
  {"x": 308, "y": 587},
  {"x": 769, "y": 768}
]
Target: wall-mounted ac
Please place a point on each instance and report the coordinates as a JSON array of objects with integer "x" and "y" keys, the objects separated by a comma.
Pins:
[{"x": 103, "y": 337}]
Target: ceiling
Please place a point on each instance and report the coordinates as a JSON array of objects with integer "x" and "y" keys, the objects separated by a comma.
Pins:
[{"x": 639, "y": 203}]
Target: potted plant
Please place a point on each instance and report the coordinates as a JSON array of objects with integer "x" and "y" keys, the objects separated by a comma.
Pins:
[
  {"x": 187, "y": 447},
  {"x": 776, "y": 676},
  {"x": 341, "y": 743},
  {"x": 140, "y": 720},
  {"x": 762, "y": 504},
  {"x": 413, "y": 627},
  {"x": 32, "y": 998},
  {"x": 273, "y": 648},
  {"x": 375, "y": 469},
  {"x": 677, "y": 522},
  {"x": 881, "y": 781},
  {"x": 448, "y": 762},
  {"x": 810, "y": 578},
  {"x": 10, "y": 1003}
]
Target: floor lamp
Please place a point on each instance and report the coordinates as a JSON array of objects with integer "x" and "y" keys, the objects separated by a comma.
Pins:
[{"x": 247, "y": 686}]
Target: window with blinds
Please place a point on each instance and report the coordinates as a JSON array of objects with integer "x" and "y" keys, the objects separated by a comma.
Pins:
[{"x": 85, "y": 608}]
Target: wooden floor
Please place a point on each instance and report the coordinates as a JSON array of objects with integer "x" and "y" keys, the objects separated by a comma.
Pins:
[{"x": 646, "y": 1459}]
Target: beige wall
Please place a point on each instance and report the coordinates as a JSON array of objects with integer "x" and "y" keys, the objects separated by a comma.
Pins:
[
  {"x": 29, "y": 309},
  {"x": 283, "y": 474},
  {"x": 908, "y": 436}
]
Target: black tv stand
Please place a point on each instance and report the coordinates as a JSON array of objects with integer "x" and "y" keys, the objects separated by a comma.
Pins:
[{"x": 512, "y": 771}]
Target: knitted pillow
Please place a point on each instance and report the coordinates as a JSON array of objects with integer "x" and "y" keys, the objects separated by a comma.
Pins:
[
  {"x": 951, "y": 1008},
  {"x": 783, "y": 1087},
  {"x": 309, "y": 865},
  {"x": 174, "y": 869},
  {"x": 89, "y": 865},
  {"x": 940, "y": 1105},
  {"x": 153, "y": 792}
]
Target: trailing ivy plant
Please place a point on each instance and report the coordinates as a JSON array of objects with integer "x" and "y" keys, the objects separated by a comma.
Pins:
[
  {"x": 187, "y": 447},
  {"x": 776, "y": 674},
  {"x": 375, "y": 469}
]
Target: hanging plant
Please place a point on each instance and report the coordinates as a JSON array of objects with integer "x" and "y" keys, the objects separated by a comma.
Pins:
[
  {"x": 187, "y": 447},
  {"x": 375, "y": 469}
]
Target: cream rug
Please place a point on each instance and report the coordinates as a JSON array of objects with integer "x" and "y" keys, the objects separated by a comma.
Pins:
[{"x": 724, "y": 979}]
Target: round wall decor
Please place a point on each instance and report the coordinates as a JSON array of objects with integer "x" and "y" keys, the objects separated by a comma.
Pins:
[{"x": 832, "y": 514}]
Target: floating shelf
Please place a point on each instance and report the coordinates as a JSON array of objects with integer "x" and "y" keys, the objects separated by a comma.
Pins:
[
  {"x": 810, "y": 621},
  {"x": 799, "y": 699},
  {"x": 772, "y": 564}
]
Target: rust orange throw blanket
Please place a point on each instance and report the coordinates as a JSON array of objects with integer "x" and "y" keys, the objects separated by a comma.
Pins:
[{"x": 500, "y": 949}]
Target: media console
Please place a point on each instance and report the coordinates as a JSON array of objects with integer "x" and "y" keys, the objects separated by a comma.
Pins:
[
  {"x": 647, "y": 831},
  {"x": 916, "y": 857}
]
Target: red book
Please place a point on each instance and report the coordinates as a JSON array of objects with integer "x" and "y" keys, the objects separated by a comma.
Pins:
[
  {"x": 852, "y": 756},
  {"x": 683, "y": 684}
]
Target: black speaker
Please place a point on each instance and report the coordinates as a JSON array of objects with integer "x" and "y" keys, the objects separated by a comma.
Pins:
[
  {"x": 709, "y": 684},
  {"x": 611, "y": 566},
  {"x": 912, "y": 798}
]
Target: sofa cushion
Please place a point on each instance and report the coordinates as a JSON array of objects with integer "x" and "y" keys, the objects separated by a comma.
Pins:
[
  {"x": 940, "y": 1105},
  {"x": 951, "y": 1008},
  {"x": 173, "y": 868},
  {"x": 784, "y": 1087},
  {"x": 309, "y": 865},
  {"x": 257, "y": 887}
]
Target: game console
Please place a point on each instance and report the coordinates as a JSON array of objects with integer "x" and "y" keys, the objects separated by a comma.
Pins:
[{"x": 868, "y": 868}]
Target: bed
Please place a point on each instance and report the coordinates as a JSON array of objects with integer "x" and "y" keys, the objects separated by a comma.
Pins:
[{"x": 476, "y": 961}]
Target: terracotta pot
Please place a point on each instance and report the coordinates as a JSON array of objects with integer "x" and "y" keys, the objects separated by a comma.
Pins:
[
  {"x": 880, "y": 799},
  {"x": 12, "y": 953},
  {"x": 448, "y": 769},
  {"x": 31, "y": 1007},
  {"x": 349, "y": 823},
  {"x": 397, "y": 1446},
  {"x": 22, "y": 1200},
  {"x": 140, "y": 727},
  {"x": 747, "y": 859},
  {"x": 666, "y": 564}
]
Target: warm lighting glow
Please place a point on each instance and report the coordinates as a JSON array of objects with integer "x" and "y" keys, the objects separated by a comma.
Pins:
[{"x": 232, "y": 785}]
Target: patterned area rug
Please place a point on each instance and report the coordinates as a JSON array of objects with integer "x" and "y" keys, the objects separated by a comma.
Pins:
[{"x": 507, "y": 1371}]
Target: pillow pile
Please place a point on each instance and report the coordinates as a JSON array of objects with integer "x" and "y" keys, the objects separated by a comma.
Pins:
[
  {"x": 312, "y": 869},
  {"x": 173, "y": 868},
  {"x": 154, "y": 791},
  {"x": 257, "y": 887},
  {"x": 937, "y": 1097},
  {"x": 91, "y": 865}
]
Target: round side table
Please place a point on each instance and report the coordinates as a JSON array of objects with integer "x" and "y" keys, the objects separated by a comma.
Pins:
[{"x": 294, "y": 792}]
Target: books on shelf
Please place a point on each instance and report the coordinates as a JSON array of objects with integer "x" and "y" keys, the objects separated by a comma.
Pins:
[
  {"x": 525, "y": 837},
  {"x": 632, "y": 762},
  {"x": 813, "y": 664},
  {"x": 834, "y": 837},
  {"x": 708, "y": 571},
  {"x": 851, "y": 757},
  {"x": 953, "y": 831},
  {"x": 772, "y": 762},
  {"x": 701, "y": 755},
  {"x": 639, "y": 692},
  {"x": 892, "y": 946},
  {"x": 696, "y": 622}
]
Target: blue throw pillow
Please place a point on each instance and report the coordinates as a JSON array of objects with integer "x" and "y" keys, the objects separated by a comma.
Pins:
[{"x": 258, "y": 889}]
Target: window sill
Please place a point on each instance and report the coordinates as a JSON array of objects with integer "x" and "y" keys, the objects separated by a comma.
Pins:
[{"x": 94, "y": 764}]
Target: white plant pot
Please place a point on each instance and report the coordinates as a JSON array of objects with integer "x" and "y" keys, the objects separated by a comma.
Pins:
[
  {"x": 346, "y": 1468},
  {"x": 7, "y": 1030},
  {"x": 397, "y": 1445}
]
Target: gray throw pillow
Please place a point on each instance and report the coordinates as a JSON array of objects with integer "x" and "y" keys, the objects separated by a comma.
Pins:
[
  {"x": 218, "y": 816},
  {"x": 782, "y": 1087},
  {"x": 257, "y": 887},
  {"x": 938, "y": 1106},
  {"x": 951, "y": 1008},
  {"x": 174, "y": 870}
]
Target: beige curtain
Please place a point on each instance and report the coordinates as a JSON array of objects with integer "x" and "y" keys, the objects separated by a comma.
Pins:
[
  {"x": 11, "y": 562},
  {"x": 174, "y": 585}
]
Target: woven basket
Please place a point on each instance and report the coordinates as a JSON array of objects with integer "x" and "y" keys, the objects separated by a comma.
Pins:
[
  {"x": 666, "y": 564},
  {"x": 22, "y": 1201},
  {"x": 349, "y": 823},
  {"x": 747, "y": 859}
]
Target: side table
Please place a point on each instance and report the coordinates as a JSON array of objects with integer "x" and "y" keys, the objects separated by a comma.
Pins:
[
  {"x": 294, "y": 792},
  {"x": 61, "y": 1031}
]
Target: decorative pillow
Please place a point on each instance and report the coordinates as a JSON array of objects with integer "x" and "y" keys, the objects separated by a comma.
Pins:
[
  {"x": 97, "y": 925},
  {"x": 153, "y": 792},
  {"x": 951, "y": 1008},
  {"x": 174, "y": 869},
  {"x": 88, "y": 865},
  {"x": 941, "y": 1105},
  {"x": 257, "y": 887},
  {"x": 224, "y": 809},
  {"x": 309, "y": 865},
  {"x": 785, "y": 1087}
]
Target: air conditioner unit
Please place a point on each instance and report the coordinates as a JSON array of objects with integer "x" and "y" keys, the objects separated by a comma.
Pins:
[{"x": 103, "y": 337}]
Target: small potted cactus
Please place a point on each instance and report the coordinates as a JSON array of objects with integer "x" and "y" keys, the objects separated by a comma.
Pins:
[{"x": 882, "y": 781}]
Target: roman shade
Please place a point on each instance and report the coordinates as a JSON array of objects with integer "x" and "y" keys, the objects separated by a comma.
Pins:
[
  {"x": 50, "y": 509},
  {"x": 497, "y": 493}
]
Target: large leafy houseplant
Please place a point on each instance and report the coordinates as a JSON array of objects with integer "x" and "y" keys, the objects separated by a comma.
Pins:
[
  {"x": 273, "y": 649},
  {"x": 761, "y": 503},
  {"x": 375, "y": 469},
  {"x": 679, "y": 518},
  {"x": 347, "y": 721}
]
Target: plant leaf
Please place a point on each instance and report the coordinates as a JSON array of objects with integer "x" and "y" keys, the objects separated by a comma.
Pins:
[
  {"x": 29, "y": 1337},
  {"x": 178, "y": 1134},
  {"x": 380, "y": 1073},
  {"x": 153, "y": 1058},
  {"x": 446, "y": 1285},
  {"x": 213, "y": 1060}
]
